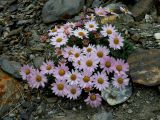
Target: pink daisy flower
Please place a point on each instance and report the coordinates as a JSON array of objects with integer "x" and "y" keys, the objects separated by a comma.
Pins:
[
  {"x": 80, "y": 33},
  {"x": 73, "y": 92},
  {"x": 58, "y": 51},
  {"x": 107, "y": 63},
  {"x": 91, "y": 17},
  {"x": 89, "y": 63},
  {"x": 73, "y": 77},
  {"x": 78, "y": 64},
  {"x": 89, "y": 50},
  {"x": 68, "y": 30},
  {"x": 60, "y": 72},
  {"x": 116, "y": 41},
  {"x": 67, "y": 52},
  {"x": 94, "y": 100},
  {"x": 38, "y": 79},
  {"x": 100, "y": 11},
  {"x": 59, "y": 88},
  {"x": 70, "y": 24},
  {"x": 47, "y": 67},
  {"x": 120, "y": 81},
  {"x": 108, "y": 30},
  {"x": 100, "y": 81},
  {"x": 120, "y": 67},
  {"x": 59, "y": 40},
  {"x": 101, "y": 51},
  {"x": 91, "y": 25},
  {"x": 86, "y": 79},
  {"x": 55, "y": 31},
  {"x": 76, "y": 54},
  {"x": 26, "y": 72}
]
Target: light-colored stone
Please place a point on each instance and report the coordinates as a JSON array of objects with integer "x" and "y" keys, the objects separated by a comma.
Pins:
[
  {"x": 60, "y": 9},
  {"x": 145, "y": 67}
]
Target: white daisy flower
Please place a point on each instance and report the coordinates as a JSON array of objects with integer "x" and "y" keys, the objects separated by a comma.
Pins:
[
  {"x": 81, "y": 33},
  {"x": 59, "y": 40},
  {"x": 91, "y": 25}
]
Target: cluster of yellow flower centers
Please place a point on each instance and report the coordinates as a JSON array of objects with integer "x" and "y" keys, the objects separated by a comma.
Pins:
[
  {"x": 60, "y": 86},
  {"x": 116, "y": 41},
  {"x": 73, "y": 77},
  {"x": 27, "y": 71},
  {"x": 38, "y": 78},
  {"x": 81, "y": 34},
  {"x": 100, "y": 54},
  {"x": 89, "y": 63},
  {"x": 73, "y": 91},
  {"x": 61, "y": 72},
  {"x": 49, "y": 67},
  {"x": 119, "y": 67},
  {"x": 100, "y": 80},
  {"x": 59, "y": 40},
  {"x": 93, "y": 97},
  {"x": 108, "y": 64},
  {"x": 86, "y": 79},
  {"x": 120, "y": 80}
]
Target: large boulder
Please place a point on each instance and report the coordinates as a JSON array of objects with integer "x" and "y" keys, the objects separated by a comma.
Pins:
[
  {"x": 60, "y": 9},
  {"x": 145, "y": 67}
]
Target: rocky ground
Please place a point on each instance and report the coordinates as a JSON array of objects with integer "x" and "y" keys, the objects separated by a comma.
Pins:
[{"x": 23, "y": 40}]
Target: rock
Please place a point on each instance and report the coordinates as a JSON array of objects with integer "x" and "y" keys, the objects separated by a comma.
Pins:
[
  {"x": 135, "y": 37},
  {"x": 11, "y": 67},
  {"x": 15, "y": 32},
  {"x": 38, "y": 61},
  {"x": 141, "y": 8},
  {"x": 157, "y": 36},
  {"x": 130, "y": 111},
  {"x": 60, "y": 9},
  {"x": 10, "y": 92},
  {"x": 102, "y": 115},
  {"x": 145, "y": 67},
  {"x": 96, "y": 3},
  {"x": 114, "y": 96}
]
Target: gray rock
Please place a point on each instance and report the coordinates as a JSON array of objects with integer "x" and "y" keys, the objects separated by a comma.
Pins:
[
  {"x": 11, "y": 67},
  {"x": 59, "y": 9},
  {"x": 114, "y": 96},
  {"x": 7, "y": 118},
  {"x": 38, "y": 61},
  {"x": 96, "y": 3},
  {"x": 102, "y": 115},
  {"x": 145, "y": 67}
]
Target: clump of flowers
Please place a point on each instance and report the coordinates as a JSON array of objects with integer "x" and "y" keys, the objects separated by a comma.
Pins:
[{"x": 86, "y": 63}]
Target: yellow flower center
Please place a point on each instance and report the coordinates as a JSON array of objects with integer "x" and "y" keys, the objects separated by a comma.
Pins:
[
  {"x": 86, "y": 79},
  {"x": 100, "y": 80},
  {"x": 109, "y": 31},
  {"x": 116, "y": 41},
  {"x": 108, "y": 64},
  {"x": 77, "y": 55},
  {"x": 89, "y": 63},
  {"x": 59, "y": 40},
  {"x": 119, "y": 67},
  {"x": 54, "y": 30},
  {"x": 91, "y": 26},
  {"x": 60, "y": 86},
  {"x": 27, "y": 71},
  {"x": 89, "y": 49},
  {"x": 70, "y": 52},
  {"x": 120, "y": 80},
  {"x": 73, "y": 77},
  {"x": 79, "y": 62},
  {"x": 61, "y": 72},
  {"x": 93, "y": 97},
  {"x": 38, "y": 78},
  {"x": 100, "y": 54},
  {"x": 49, "y": 67},
  {"x": 73, "y": 91},
  {"x": 81, "y": 34}
]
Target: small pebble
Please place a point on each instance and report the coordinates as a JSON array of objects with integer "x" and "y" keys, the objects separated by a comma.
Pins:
[{"x": 130, "y": 111}]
